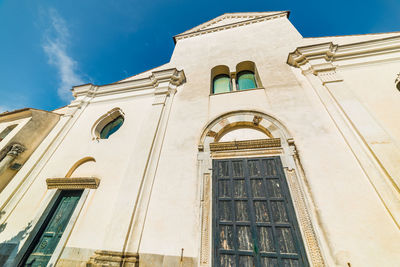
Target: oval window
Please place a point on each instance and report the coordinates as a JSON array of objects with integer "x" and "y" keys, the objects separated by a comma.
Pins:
[
  {"x": 221, "y": 84},
  {"x": 111, "y": 127},
  {"x": 246, "y": 80}
]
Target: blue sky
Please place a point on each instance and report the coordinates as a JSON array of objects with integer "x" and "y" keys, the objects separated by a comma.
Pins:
[{"x": 46, "y": 47}]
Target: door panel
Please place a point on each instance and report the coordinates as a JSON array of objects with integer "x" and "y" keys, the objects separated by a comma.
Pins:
[
  {"x": 254, "y": 222},
  {"x": 47, "y": 239}
]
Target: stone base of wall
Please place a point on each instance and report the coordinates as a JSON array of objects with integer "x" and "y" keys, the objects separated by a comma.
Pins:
[
  {"x": 83, "y": 257},
  {"x": 158, "y": 260},
  {"x": 110, "y": 258}
]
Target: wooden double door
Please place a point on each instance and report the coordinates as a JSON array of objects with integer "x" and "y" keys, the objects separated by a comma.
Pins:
[{"x": 254, "y": 223}]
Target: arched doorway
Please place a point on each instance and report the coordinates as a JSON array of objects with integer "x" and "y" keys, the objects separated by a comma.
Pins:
[{"x": 252, "y": 197}]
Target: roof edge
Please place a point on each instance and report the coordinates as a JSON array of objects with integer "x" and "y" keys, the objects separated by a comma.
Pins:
[
  {"x": 23, "y": 112},
  {"x": 350, "y": 35},
  {"x": 230, "y": 25}
]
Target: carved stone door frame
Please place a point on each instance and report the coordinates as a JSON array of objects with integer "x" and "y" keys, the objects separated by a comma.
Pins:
[{"x": 279, "y": 144}]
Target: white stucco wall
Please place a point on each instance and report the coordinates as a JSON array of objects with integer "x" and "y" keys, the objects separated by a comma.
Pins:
[{"x": 353, "y": 224}]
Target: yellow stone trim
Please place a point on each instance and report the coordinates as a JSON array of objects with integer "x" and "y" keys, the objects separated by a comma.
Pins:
[
  {"x": 205, "y": 223},
  {"x": 77, "y": 164},
  {"x": 303, "y": 216},
  {"x": 73, "y": 183},
  {"x": 267, "y": 152},
  {"x": 248, "y": 144}
]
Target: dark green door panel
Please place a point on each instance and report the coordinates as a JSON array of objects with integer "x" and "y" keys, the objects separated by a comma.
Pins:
[
  {"x": 52, "y": 229},
  {"x": 254, "y": 223}
]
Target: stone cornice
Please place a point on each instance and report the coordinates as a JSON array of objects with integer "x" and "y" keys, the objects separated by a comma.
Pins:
[
  {"x": 171, "y": 76},
  {"x": 308, "y": 57},
  {"x": 20, "y": 114},
  {"x": 320, "y": 52},
  {"x": 256, "y": 19},
  {"x": 73, "y": 183}
]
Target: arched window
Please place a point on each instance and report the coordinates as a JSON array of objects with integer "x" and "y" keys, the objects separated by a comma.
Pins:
[
  {"x": 220, "y": 80},
  {"x": 221, "y": 84},
  {"x": 111, "y": 127},
  {"x": 246, "y": 80}
]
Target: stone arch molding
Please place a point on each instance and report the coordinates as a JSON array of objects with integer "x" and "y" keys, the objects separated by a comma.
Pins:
[
  {"x": 273, "y": 129},
  {"x": 217, "y": 128},
  {"x": 78, "y": 164},
  {"x": 72, "y": 183}
]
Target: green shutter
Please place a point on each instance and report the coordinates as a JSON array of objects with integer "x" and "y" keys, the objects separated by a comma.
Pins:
[
  {"x": 246, "y": 80},
  {"x": 221, "y": 84}
]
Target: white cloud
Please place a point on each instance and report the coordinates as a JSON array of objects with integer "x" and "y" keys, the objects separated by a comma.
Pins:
[{"x": 55, "y": 45}]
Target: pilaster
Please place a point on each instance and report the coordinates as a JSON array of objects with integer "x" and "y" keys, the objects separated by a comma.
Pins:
[
  {"x": 373, "y": 148},
  {"x": 141, "y": 171}
]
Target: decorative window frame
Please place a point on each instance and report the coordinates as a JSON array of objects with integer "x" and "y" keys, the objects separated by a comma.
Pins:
[
  {"x": 241, "y": 66},
  {"x": 279, "y": 144},
  {"x": 104, "y": 120},
  {"x": 248, "y": 66},
  {"x": 219, "y": 70}
]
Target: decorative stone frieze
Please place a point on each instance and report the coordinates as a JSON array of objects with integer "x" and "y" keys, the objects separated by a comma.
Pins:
[
  {"x": 73, "y": 183},
  {"x": 251, "y": 20},
  {"x": 103, "y": 258},
  {"x": 248, "y": 144}
]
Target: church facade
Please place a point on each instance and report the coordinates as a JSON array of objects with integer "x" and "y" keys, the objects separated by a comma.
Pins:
[{"x": 253, "y": 146}]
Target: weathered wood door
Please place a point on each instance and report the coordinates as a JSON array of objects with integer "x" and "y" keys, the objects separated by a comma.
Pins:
[
  {"x": 52, "y": 229},
  {"x": 254, "y": 219}
]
